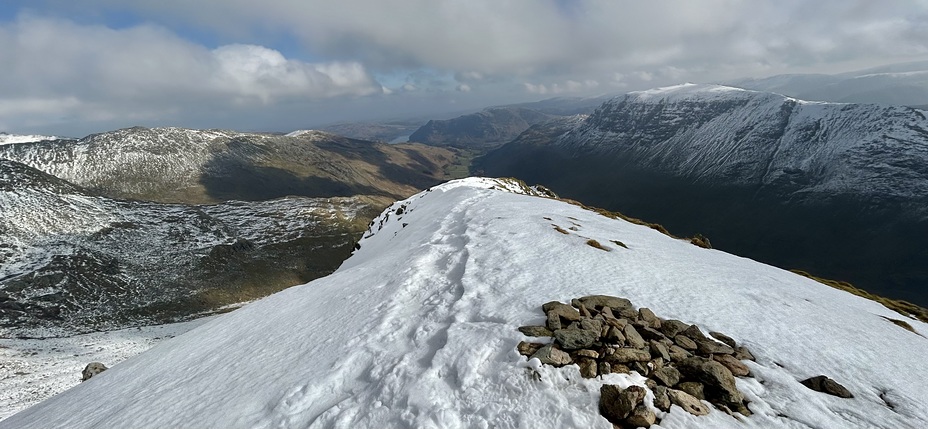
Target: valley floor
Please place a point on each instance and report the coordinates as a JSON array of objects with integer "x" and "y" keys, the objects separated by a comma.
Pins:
[{"x": 34, "y": 370}]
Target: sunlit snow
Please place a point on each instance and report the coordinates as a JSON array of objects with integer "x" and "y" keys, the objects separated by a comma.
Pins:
[{"x": 418, "y": 329}]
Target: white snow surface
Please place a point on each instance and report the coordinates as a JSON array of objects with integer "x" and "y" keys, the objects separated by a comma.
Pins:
[
  {"x": 18, "y": 138},
  {"x": 418, "y": 329},
  {"x": 36, "y": 369}
]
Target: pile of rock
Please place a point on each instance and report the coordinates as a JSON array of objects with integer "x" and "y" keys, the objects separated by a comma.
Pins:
[{"x": 606, "y": 334}]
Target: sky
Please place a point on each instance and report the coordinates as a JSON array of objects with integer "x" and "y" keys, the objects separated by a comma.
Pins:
[{"x": 74, "y": 67}]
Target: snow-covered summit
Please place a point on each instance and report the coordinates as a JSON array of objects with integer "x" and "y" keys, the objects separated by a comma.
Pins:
[
  {"x": 418, "y": 329},
  {"x": 18, "y": 138}
]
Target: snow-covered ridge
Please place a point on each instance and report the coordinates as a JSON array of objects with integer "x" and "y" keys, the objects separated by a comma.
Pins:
[
  {"x": 17, "y": 138},
  {"x": 418, "y": 329},
  {"x": 714, "y": 132}
]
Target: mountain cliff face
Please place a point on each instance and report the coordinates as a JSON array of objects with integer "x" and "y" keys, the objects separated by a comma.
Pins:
[
  {"x": 420, "y": 328},
  {"x": 839, "y": 189},
  {"x": 177, "y": 165},
  {"x": 71, "y": 261},
  {"x": 485, "y": 129}
]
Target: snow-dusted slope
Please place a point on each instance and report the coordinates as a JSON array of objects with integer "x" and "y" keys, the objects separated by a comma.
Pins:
[
  {"x": 72, "y": 261},
  {"x": 717, "y": 133},
  {"x": 418, "y": 329}
]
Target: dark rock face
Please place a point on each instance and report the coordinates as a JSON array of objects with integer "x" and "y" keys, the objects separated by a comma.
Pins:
[{"x": 824, "y": 384}]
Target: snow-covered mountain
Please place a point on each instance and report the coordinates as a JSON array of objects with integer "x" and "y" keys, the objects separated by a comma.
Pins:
[
  {"x": 419, "y": 329},
  {"x": 713, "y": 133},
  {"x": 900, "y": 84},
  {"x": 837, "y": 189},
  {"x": 71, "y": 261},
  {"x": 6, "y": 138},
  {"x": 178, "y": 165},
  {"x": 485, "y": 129}
]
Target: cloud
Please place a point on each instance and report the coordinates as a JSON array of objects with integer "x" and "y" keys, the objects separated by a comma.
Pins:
[
  {"x": 278, "y": 54},
  {"x": 56, "y": 70},
  {"x": 463, "y": 88}
]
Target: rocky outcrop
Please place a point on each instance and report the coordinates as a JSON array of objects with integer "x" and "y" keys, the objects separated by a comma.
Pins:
[{"x": 606, "y": 334}]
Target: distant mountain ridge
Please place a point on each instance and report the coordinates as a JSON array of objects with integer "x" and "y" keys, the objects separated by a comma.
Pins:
[
  {"x": 488, "y": 128},
  {"x": 837, "y": 189},
  {"x": 896, "y": 84},
  {"x": 178, "y": 165}
]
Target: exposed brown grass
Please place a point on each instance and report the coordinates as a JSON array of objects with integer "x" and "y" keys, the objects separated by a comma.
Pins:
[
  {"x": 701, "y": 241},
  {"x": 901, "y": 323},
  {"x": 593, "y": 243},
  {"x": 619, "y": 243},
  {"x": 904, "y": 308},
  {"x": 561, "y": 230}
]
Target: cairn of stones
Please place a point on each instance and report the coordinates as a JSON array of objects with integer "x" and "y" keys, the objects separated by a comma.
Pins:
[{"x": 606, "y": 334}]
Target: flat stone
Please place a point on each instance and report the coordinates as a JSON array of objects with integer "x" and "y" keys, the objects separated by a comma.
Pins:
[
  {"x": 678, "y": 353},
  {"x": 628, "y": 355},
  {"x": 615, "y": 403},
  {"x": 687, "y": 402},
  {"x": 528, "y": 349},
  {"x": 661, "y": 400},
  {"x": 694, "y": 388},
  {"x": 824, "y": 384},
  {"x": 618, "y": 305},
  {"x": 668, "y": 376},
  {"x": 658, "y": 349},
  {"x": 615, "y": 335},
  {"x": 719, "y": 381},
  {"x": 737, "y": 368},
  {"x": 685, "y": 342},
  {"x": 672, "y": 327},
  {"x": 650, "y": 333},
  {"x": 574, "y": 339},
  {"x": 723, "y": 338},
  {"x": 641, "y": 416},
  {"x": 535, "y": 331},
  {"x": 693, "y": 333},
  {"x": 647, "y": 316},
  {"x": 633, "y": 337},
  {"x": 712, "y": 347},
  {"x": 549, "y": 355}
]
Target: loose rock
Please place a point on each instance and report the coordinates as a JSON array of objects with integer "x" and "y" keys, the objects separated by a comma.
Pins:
[
  {"x": 616, "y": 404},
  {"x": 723, "y": 338},
  {"x": 672, "y": 327},
  {"x": 92, "y": 369},
  {"x": 719, "y": 381},
  {"x": 528, "y": 349},
  {"x": 633, "y": 337},
  {"x": 536, "y": 331},
  {"x": 685, "y": 342},
  {"x": 668, "y": 376},
  {"x": 628, "y": 355},
  {"x": 641, "y": 416},
  {"x": 687, "y": 402},
  {"x": 824, "y": 384},
  {"x": 588, "y": 367},
  {"x": 737, "y": 368},
  {"x": 549, "y": 355},
  {"x": 574, "y": 339},
  {"x": 661, "y": 400}
]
